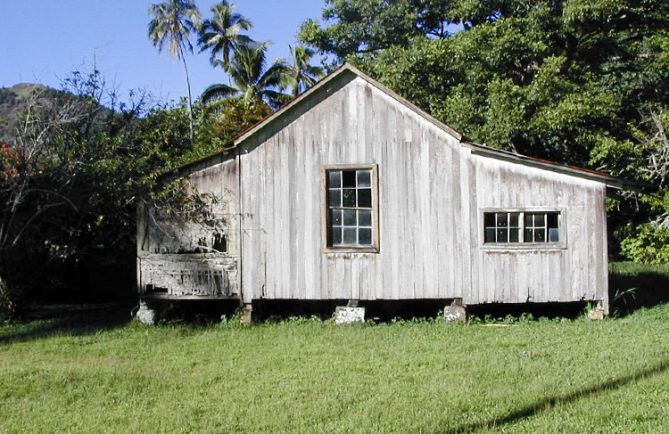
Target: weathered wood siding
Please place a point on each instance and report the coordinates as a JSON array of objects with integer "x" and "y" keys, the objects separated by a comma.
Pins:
[
  {"x": 576, "y": 271},
  {"x": 421, "y": 234},
  {"x": 192, "y": 274},
  {"x": 176, "y": 254},
  {"x": 432, "y": 192}
]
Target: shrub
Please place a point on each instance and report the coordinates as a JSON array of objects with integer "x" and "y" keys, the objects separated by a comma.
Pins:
[{"x": 648, "y": 244}]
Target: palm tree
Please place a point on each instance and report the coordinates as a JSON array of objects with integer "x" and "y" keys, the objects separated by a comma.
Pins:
[
  {"x": 172, "y": 23},
  {"x": 302, "y": 75},
  {"x": 223, "y": 33},
  {"x": 250, "y": 79}
]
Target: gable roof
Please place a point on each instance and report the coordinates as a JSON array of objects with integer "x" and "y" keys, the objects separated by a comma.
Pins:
[
  {"x": 329, "y": 78},
  {"x": 476, "y": 149}
]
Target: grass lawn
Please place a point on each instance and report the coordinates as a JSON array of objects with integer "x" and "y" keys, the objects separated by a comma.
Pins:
[{"x": 311, "y": 376}]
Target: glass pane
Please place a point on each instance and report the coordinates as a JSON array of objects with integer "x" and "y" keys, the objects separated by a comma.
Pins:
[
  {"x": 539, "y": 220},
  {"x": 334, "y": 197},
  {"x": 502, "y": 235},
  {"x": 349, "y": 197},
  {"x": 365, "y": 237},
  {"x": 365, "y": 197},
  {"x": 336, "y": 236},
  {"x": 514, "y": 219},
  {"x": 334, "y": 178},
  {"x": 364, "y": 218},
  {"x": 552, "y": 218},
  {"x": 489, "y": 235},
  {"x": 364, "y": 178},
  {"x": 335, "y": 217},
  {"x": 348, "y": 178},
  {"x": 514, "y": 235},
  {"x": 529, "y": 235},
  {"x": 539, "y": 235},
  {"x": 350, "y": 236},
  {"x": 528, "y": 220},
  {"x": 489, "y": 220},
  {"x": 502, "y": 220},
  {"x": 553, "y": 235},
  {"x": 349, "y": 217}
]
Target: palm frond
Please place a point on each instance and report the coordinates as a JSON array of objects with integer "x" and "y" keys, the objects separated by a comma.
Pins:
[
  {"x": 217, "y": 92},
  {"x": 173, "y": 21},
  {"x": 222, "y": 34},
  {"x": 301, "y": 74},
  {"x": 250, "y": 77},
  {"x": 275, "y": 98},
  {"x": 274, "y": 75}
]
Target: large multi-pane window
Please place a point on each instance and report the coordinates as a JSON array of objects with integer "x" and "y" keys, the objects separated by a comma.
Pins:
[
  {"x": 350, "y": 208},
  {"x": 539, "y": 227}
]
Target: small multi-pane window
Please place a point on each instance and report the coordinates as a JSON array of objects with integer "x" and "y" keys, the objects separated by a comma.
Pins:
[
  {"x": 521, "y": 227},
  {"x": 502, "y": 227},
  {"x": 541, "y": 227},
  {"x": 350, "y": 213}
]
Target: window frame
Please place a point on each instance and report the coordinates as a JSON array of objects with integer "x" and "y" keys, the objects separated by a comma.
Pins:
[
  {"x": 375, "y": 246},
  {"x": 562, "y": 232}
]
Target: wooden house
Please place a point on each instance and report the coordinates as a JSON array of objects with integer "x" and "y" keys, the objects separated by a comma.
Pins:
[{"x": 350, "y": 192}]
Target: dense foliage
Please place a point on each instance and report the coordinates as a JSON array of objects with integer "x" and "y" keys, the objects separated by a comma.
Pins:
[
  {"x": 74, "y": 172},
  {"x": 573, "y": 81}
]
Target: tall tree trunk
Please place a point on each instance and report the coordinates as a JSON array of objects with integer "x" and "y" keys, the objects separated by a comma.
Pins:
[{"x": 190, "y": 99}]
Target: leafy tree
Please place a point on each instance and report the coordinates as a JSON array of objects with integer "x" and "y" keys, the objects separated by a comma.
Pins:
[
  {"x": 648, "y": 241},
  {"x": 222, "y": 34},
  {"x": 59, "y": 190},
  {"x": 301, "y": 74},
  {"x": 172, "y": 23},
  {"x": 367, "y": 26},
  {"x": 251, "y": 80},
  {"x": 223, "y": 120}
]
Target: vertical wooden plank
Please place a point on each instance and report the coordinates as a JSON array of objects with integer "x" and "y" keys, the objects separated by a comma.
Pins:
[
  {"x": 473, "y": 235},
  {"x": 426, "y": 285},
  {"x": 463, "y": 214},
  {"x": 603, "y": 263}
]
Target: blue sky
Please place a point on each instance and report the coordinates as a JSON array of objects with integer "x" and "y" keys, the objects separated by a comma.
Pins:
[{"x": 43, "y": 40}]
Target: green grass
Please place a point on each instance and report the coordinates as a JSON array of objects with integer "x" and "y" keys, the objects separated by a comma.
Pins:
[
  {"x": 635, "y": 269},
  {"x": 311, "y": 376}
]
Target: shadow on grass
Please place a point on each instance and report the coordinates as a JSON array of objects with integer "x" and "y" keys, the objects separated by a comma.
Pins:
[
  {"x": 548, "y": 403},
  {"x": 632, "y": 287},
  {"x": 66, "y": 322}
]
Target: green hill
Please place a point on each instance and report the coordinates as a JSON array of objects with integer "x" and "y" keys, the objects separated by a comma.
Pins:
[{"x": 13, "y": 100}]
